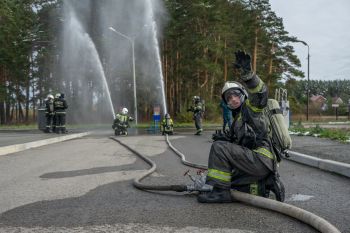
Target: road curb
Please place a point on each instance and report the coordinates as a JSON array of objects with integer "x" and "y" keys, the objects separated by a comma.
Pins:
[
  {"x": 323, "y": 164},
  {"x": 4, "y": 150}
]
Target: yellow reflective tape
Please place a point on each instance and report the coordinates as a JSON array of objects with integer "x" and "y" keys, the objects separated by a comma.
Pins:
[
  {"x": 257, "y": 88},
  {"x": 254, "y": 189},
  {"x": 219, "y": 175},
  {"x": 255, "y": 109},
  {"x": 265, "y": 152}
]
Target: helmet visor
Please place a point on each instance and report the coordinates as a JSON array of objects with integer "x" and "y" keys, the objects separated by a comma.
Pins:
[{"x": 234, "y": 92}]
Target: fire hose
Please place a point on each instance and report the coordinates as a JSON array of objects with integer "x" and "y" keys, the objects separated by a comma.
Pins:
[{"x": 307, "y": 217}]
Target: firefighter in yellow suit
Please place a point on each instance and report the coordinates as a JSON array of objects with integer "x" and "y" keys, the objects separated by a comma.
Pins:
[{"x": 167, "y": 125}]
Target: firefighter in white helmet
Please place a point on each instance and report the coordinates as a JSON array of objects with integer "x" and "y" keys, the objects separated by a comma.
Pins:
[
  {"x": 49, "y": 113},
  {"x": 167, "y": 125},
  {"x": 245, "y": 156},
  {"x": 60, "y": 106},
  {"x": 198, "y": 112},
  {"x": 121, "y": 122}
]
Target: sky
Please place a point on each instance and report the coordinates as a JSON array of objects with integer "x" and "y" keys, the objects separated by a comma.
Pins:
[{"x": 325, "y": 26}]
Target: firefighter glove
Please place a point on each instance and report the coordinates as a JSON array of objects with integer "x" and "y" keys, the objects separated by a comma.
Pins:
[
  {"x": 243, "y": 63},
  {"x": 219, "y": 136}
]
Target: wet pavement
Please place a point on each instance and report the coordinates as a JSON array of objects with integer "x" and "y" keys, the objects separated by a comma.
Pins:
[
  {"x": 13, "y": 137},
  {"x": 312, "y": 146},
  {"x": 86, "y": 185}
]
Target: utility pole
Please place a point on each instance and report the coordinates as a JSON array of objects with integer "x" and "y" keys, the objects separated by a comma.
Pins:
[
  {"x": 133, "y": 68},
  {"x": 349, "y": 109},
  {"x": 308, "y": 77}
]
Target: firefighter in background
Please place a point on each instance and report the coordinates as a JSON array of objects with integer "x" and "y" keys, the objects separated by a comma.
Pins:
[
  {"x": 49, "y": 113},
  {"x": 54, "y": 115},
  {"x": 167, "y": 125},
  {"x": 60, "y": 106},
  {"x": 197, "y": 110},
  {"x": 226, "y": 116},
  {"x": 121, "y": 122}
]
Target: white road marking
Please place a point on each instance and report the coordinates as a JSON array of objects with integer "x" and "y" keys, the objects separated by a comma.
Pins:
[
  {"x": 300, "y": 197},
  {"x": 131, "y": 227}
]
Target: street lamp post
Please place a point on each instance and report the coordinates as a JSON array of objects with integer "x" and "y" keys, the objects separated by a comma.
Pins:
[
  {"x": 308, "y": 77},
  {"x": 133, "y": 68},
  {"x": 349, "y": 109}
]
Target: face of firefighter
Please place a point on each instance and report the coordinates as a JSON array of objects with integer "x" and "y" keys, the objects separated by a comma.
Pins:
[{"x": 233, "y": 101}]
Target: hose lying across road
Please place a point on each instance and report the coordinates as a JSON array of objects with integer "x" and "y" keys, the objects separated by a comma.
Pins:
[
  {"x": 307, "y": 217},
  {"x": 137, "y": 181}
]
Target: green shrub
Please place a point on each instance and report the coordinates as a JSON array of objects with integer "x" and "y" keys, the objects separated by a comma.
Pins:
[
  {"x": 317, "y": 130},
  {"x": 334, "y": 134},
  {"x": 212, "y": 111},
  {"x": 184, "y": 117}
]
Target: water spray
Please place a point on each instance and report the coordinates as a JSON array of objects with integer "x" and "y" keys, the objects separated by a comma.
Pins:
[
  {"x": 75, "y": 28},
  {"x": 149, "y": 7},
  {"x": 101, "y": 71}
]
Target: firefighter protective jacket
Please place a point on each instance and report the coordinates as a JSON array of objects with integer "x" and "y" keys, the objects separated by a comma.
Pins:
[
  {"x": 60, "y": 105},
  {"x": 250, "y": 126},
  {"x": 49, "y": 108}
]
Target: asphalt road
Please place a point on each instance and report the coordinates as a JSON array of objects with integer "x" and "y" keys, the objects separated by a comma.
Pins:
[
  {"x": 85, "y": 185},
  {"x": 322, "y": 148},
  {"x": 13, "y": 137}
]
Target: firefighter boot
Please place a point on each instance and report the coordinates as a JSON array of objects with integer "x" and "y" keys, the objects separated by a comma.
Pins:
[
  {"x": 276, "y": 186},
  {"x": 217, "y": 195},
  {"x": 199, "y": 131}
]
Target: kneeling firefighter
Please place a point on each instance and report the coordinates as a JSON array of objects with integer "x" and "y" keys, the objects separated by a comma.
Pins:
[
  {"x": 121, "y": 122},
  {"x": 167, "y": 125},
  {"x": 243, "y": 159}
]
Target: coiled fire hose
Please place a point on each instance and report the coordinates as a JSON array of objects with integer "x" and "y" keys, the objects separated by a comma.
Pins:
[{"x": 307, "y": 217}]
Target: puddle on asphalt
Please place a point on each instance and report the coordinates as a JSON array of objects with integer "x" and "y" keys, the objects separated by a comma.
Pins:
[{"x": 300, "y": 197}]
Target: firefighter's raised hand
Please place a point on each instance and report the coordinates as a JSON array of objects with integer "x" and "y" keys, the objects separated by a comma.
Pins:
[{"x": 243, "y": 63}]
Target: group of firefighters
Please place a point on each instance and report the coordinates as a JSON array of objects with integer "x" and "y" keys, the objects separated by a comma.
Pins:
[
  {"x": 121, "y": 121},
  {"x": 55, "y": 113}
]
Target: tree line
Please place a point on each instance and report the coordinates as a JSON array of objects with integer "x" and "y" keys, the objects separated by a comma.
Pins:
[
  {"x": 200, "y": 41},
  {"x": 197, "y": 51},
  {"x": 26, "y": 38}
]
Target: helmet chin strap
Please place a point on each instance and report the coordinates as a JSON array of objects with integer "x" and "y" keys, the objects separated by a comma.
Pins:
[{"x": 242, "y": 98}]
